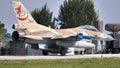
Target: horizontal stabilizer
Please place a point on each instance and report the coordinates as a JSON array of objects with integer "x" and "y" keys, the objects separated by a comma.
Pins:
[{"x": 33, "y": 37}]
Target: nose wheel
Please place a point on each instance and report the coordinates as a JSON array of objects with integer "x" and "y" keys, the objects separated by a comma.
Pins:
[
  {"x": 44, "y": 52},
  {"x": 63, "y": 51}
]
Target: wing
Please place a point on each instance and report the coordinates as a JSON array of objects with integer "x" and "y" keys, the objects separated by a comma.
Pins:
[{"x": 66, "y": 33}]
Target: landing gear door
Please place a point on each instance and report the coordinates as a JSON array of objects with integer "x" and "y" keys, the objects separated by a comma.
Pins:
[{"x": 43, "y": 46}]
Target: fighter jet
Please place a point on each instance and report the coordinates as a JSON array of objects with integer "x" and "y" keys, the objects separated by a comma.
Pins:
[{"x": 51, "y": 40}]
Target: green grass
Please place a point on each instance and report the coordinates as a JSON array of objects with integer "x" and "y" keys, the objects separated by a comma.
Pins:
[{"x": 62, "y": 63}]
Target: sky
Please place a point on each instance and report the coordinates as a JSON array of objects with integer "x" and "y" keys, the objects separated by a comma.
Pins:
[{"x": 108, "y": 10}]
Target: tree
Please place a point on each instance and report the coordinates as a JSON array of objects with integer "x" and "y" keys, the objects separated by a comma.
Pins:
[
  {"x": 2, "y": 29},
  {"x": 74, "y": 13},
  {"x": 43, "y": 16}
]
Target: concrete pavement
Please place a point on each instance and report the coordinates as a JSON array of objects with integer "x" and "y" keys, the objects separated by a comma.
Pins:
[{"x": 59, "y": 57}]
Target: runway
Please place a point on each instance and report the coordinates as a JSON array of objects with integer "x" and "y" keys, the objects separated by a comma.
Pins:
[{"x": 59, "y": 57}]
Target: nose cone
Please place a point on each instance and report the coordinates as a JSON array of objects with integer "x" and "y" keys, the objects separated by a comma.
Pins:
[
  {"x": 110, "y": 38},
  {"x": 107, "y": 37}
]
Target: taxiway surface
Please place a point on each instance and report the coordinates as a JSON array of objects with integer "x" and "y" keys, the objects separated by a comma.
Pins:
[{"x": 59, "y": 57}]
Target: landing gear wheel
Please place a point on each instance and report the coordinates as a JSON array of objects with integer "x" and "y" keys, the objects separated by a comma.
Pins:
[
  {"x": 82, "y": 52},
  {"x": 63, "y": 52},
  {"x": 45, "y": 52}
]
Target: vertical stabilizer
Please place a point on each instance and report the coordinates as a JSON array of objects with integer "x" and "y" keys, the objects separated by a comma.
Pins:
[
  {"x": 26, "y": 20},
  {"x": 22, "y": 15}
]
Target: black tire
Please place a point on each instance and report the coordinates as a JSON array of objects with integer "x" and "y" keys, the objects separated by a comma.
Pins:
[
  {"x": 44, "y": 52},
  {"x": 82, "y": 52},
  {"x": 63, "y": 52}
]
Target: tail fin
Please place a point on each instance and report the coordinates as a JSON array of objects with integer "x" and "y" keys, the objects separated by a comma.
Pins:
[{"x": 24, "y": 17}]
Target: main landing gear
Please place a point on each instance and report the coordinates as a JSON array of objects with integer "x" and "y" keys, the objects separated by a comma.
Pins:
[{"x": 61, "y": 50}]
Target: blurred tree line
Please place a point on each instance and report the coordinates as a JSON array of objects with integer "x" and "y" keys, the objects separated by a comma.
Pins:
[
  {"x": 2, "y": 29},
  {"x": 43, "y": 16},
  {"x": 72, "y": 13}
]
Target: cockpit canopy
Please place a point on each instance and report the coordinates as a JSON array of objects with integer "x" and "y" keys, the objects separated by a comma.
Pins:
[{"x": 89, "y": 27}]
